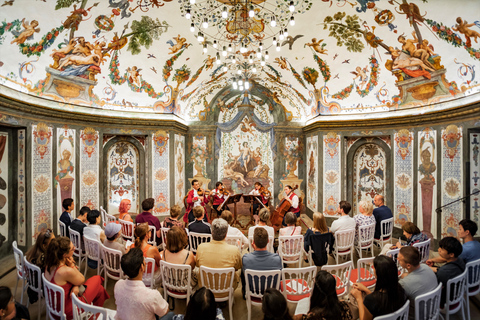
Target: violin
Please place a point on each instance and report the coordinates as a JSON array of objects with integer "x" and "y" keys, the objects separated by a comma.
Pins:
[
  {"x": 202, "y": 192},
  {"x": 277, "y": 217},
  {"x": 265, "y": 192}
]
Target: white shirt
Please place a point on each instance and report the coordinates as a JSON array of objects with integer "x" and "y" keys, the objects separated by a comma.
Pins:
[
  {"x": 255, "y": 192},
  {"x": 270, "y": 230},
  {"x": 290, "y": 231},
  {"x": 197, "y": 203},
  {"x": 218, "y": 193},
  {"x": 294, "y": 200},
  {"x": 342, "y": 223},
  {"x": 93, "y": 231},
  {"x": 135, "y": 301},
  {"x": 235, "y": 232}
]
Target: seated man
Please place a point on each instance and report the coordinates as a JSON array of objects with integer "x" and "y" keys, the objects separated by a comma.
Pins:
[
  {"x": 133, "y": 299},
  {"x": 93, "y": 230},
  {"x": 148, "y": 217},
  {"x": 66, "y": 217},
  {"x": 218, "y": 253},
  {"x": 449, "y": 249},
  {"x": 80, "y": 221},
  {"x": 345, "y": 222},
  {"x": 113, "y": 231},
  {"x": 199, "y": 225},
  {"x": 382, "y": 212}
]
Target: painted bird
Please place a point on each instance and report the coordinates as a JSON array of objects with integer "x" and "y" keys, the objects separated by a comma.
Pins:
[
  {"x": 346, "y": 61},
  {"x": 290, "y": 40},
  {"x": 153, "y": 69},
  {"x": 151, "y": 56}
]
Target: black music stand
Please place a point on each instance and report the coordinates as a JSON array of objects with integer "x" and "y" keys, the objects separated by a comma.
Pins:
[{"x": 229, "y": 200}]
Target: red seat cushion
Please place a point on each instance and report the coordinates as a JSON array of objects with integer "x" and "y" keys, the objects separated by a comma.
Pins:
[
  {"x": 184, "y": 293},
  {"x": 365, "y": 274},
  {"x": 343, "y": 251},
  {"x": 255, "y": 299},
  {"x": 340, "y": 283},
  {"x": 302, "y": 286},
  {"x": 473, "y": 289}
]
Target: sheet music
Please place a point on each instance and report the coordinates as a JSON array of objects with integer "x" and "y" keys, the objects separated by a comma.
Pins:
[
  {"x": 260, "y": 202},
  {"x": 221, "y": 206}
]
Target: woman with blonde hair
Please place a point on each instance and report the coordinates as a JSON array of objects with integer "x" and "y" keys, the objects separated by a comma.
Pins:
[
  {"x": 123, "y": 208},
  {"x": 364, "y": 217},
  {"x": 318, "y": 238},
  {"x": 142, "y": 234}
]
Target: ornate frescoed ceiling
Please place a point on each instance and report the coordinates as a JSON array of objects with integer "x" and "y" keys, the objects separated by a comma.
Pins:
[{"x": 139, "y": 58}]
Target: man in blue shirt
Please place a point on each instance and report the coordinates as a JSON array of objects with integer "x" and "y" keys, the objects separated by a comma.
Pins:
[
  {"x": 382, "y": 212},
  {"x": 66, "y": 216}
]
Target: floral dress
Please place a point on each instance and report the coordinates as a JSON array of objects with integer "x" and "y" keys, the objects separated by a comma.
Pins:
[
  {"x": 362, "y": 220},
  {"x": 416, "y": 238}
]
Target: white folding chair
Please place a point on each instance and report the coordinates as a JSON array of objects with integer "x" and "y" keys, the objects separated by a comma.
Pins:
[
  {"x": 84, "y": 311},
  {"x": 455, "y": 296},
  {"x": 77, "y": 242},
  {"x": 164, "y": 232},
  {"x": 54, "y": 299},
  {"x": 341, "y": 273},
  {"x": 400, "y": 314},
  {"x": 269, "y": 245},
  {"x": 127, "y": 230},
  {"x": 195, "y": 239},
  {"x": 365, "y": 239},
  {"x": 111, "y": 264},
  {"x": 109, "y": 219},
  {"x": 235, "y": 241},
  {"x": 424, "y": 249},
  {"x": 34, "y": 282},
  {"x": 344, "y": 241},
  {"x": 473, "y": 283},
  {"x": 394, "y": 255},
  {"x": 176, "y": 280},
  {"x": 257, "y": 282},
  {"x": 92, "y": 252},
  {"x": 103, "y": 213},
  {"x": 153, "y": 236},
  {"x": 62, "y": 229},
  {"x": 148, "y": 276},
  {"x": 364, "y": 273},
  {"x": 19, "y": 263},
  {"x": 290, "y": 249},
  {"x": 386, "y": 229},
  {"x": 298, "y": 283},
  {"x": 427, "y": 305},
  {"x": 220, "y": 281}
]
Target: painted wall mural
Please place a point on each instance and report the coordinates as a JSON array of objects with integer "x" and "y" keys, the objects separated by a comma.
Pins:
[
  {"x": 199, "y": 154},
  {"x": 179, "y": 155},
  {"x": 293, "y": 155},
  {"x": 403, "y": 177},
  {"x": 65, "y": 178},
  {"x": 161, "y": 172},
  {"x": 4, "y": 171},
  {"x": 312, "y": 173},
  {"x": 42, "y": 159},
  {"x": 452, "y": 179},
  {"x": 21, "y": 189},
  {"x": 474, "y": 152},
  {"x": 123, "y": 175},
  {"x": 332, "y": 173},
  {"x": 89, "y": 168},
  {"x": 427, "y": 170}
]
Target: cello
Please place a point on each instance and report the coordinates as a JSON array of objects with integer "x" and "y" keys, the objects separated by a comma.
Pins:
[{"x": 280, "y": 212}]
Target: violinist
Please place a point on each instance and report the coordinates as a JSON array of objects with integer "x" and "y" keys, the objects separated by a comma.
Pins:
[
  {"x": 259, "y": 190},
  {"x": 218, "y": 196},
  {"x": 291, "y": 197},
  {"x": 195, "y": 198}
]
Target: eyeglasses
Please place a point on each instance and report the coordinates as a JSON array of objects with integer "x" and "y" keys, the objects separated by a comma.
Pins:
[{"x": 48, "y": 233}]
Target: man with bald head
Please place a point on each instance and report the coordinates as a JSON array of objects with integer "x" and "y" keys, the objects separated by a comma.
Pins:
[{"x": 382, "y": 212}]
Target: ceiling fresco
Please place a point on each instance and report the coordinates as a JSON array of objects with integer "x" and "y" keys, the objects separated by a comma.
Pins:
[{"x": 139, "y": 57}]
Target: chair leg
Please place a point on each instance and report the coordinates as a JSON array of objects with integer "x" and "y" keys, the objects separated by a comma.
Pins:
[
  {"x": 106, "y": 278},
  {"x": 39, "y": 307},
  {"x": 16, "y": 286},
  {"x": 249, "y": 309},
  {"x": 23, "y": 290},
  {"x": 230, "y": 305}
]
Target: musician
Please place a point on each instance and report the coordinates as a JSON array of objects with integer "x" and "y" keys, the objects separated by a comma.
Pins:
[
  {"x": 194, "y": 200},
  {"x": 291, "y": 197},
  {"x": 257, "y": 206},
  {"x": 217, "y": 197}
]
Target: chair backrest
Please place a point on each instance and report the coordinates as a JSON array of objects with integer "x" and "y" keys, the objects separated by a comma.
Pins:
[
  {"x": 342, "y": 273},
  {"x": 427, "y": 305},
  {"x": 365, "y": 271},
  {"x": 344, "y": 239},
  {"x": 456, "y": 288},
  {"x": 259, "y": 281},
  {"x": 84, "y": 311},
  {"x": 219, "y": 280},
  {"x": 400, "y": 314},
  {"x": 148, "y": 276},
  {"x": 366, "y": 234},
  {"x": 394, "y": 255},
  {"x": 103, "y": 213},
  {"x": 386, "y": 229},
  {"x": 54, "y": 299},
  {"x": 290, "y": 247},
  {"x": 176, "y": 277},
  {"x": 164, "y": 232},
  {"x": 298, "y": 281},
  {"x": 77, "y": 242},
  {"x": 195, "y": 239},
  {"x": 235, "y": 241},
  {"x": 321, "y": 244},
  {"x": 424, "y": 249},
  {"x": 473, "y": 283},
  {"x": 109, "y": 219},
  {"x": 153, "y": 236},
  {"x": 269, "y": 245},
  {"x": 92, "y": 248},
  {"x": 62, "y": 229},
  {"x": 19, "y": 260},
  {"x": 34, "y": 277},
  {"x": 111, "y": 259},
  {"x": 127, "y": 229}
]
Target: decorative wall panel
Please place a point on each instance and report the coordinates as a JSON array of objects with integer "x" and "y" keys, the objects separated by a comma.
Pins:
[
  {"x": 474, "y": 176},
  {"x": 452, "y": 179},
  {"x": 4, "y": 170},
  {"x": 179, "y": 169},
  {"x": 332, "y": 173},
  {"x": 21, "y": 189},
  {"x": 42, "y": 158},
  {"x": 427, "y": 188},
  {"x": 199, "y": 155},
  {"x": 312, "y": 173},
  {"x": 403, "y": 176},
  {"x": 89, "y": 168},
  {"x": 65, "y": 178},
  {"x": 161, "y": 169}
]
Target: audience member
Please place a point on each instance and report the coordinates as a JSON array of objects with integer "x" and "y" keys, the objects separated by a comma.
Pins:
[
  {"x": 412, "y": 233},
  {"x": 94, "y": 230},
  {"x": 172, "y": 221},
  {"x": 113, "y": 231},
  {"x": 194, "y": 200},
  {"x": 199, "y": 225},
  {"x": 146, "y": 216},
  {"x": 291, "y": 229},
  {"x": 123, "y": 209},
  {"x": 175, "y": 251},
  {"x": 232, "y": 231},
  {"x": 60, "y": 269},
  {"x": 142, "y": 234},
  {"x": 365, "y": 217},
  {"x": 218, "y": 253},
  {"x": 264, "y": 217},
  {"x": 449, "y": 248},
  {"x": 319, "y": 239},
  {"x": 9, "y": 308},
  {"x": 133, "y": 299},
  {"x": 66, "y": 216},
  {"x": 80, "y": 221},
  {"x": 344, "y": 222},
  {"x": 274, "y": 305},
  {"x": 201, "y": 303},
  {"x": 382, "y": 212},
  {"x": 388, "y": 296}
]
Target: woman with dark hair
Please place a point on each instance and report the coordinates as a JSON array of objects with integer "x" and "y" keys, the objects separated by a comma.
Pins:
[
  {"x": 412, "y": 233},
  {"x": 388, "y": 296},
  {"x": 60, "y": 269},
  {"x": 9, "y": 309},
  {"x": 274, "y": 305},
  {"x": 202, "y": 305},
  {"x": 175, "y": 251}
]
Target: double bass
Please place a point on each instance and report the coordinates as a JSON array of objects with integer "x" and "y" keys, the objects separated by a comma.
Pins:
[{"x": 280, "y": 212}]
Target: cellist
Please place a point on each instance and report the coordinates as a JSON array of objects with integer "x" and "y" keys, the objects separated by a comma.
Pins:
[
  {"x": 194, "y": 200},
  {"x": 291, "y": 197},
  {"x": 217, "y": 197},
  {"x": 256, "y": 205}
]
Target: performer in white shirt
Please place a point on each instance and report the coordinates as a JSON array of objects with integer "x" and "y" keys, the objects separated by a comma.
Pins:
[
  {"x": 259, "y": 190},
  {"x": 291, "y": 197},
  {"x": 217, "y": 197}
]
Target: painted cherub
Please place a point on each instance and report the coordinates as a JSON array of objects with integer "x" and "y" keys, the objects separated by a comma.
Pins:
[
  {"x": 282, "y": 62},
  {"x": 360, "y": 73},
  {"x": 464, "y": 28},
  {"x": 409, "y": 46},
  {"x": 209, "y": 62},
  {"x": 27, "y": 32},
  {"x": 67, "y": 49},
  {"x": 133, "y": 75},
  {"x": 315, "y": 45}
]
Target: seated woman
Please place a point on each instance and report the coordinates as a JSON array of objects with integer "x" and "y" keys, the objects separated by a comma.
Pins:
[
  {"x": 125, "y": 205},
  {"x": 232, "y": 231},
  {"x": 172, "y": 221},
  {"x": 274, "y": 305},
  {"x": 264, "y": 216},
  {"x": 412, "y": 233},
  {"x": 9, "y": 309},
  {"x": 291, "y": 229},
  {"x": 175, "y": 251},
  {"x": 60, "y": 269},
  {"x": 142, "y": 234},
  {"x": 319, "y": 239},
  {"x": 365, "y": 216},
  {"x": 388, "y": 296},
  {"x": 202, "y": 303}
]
